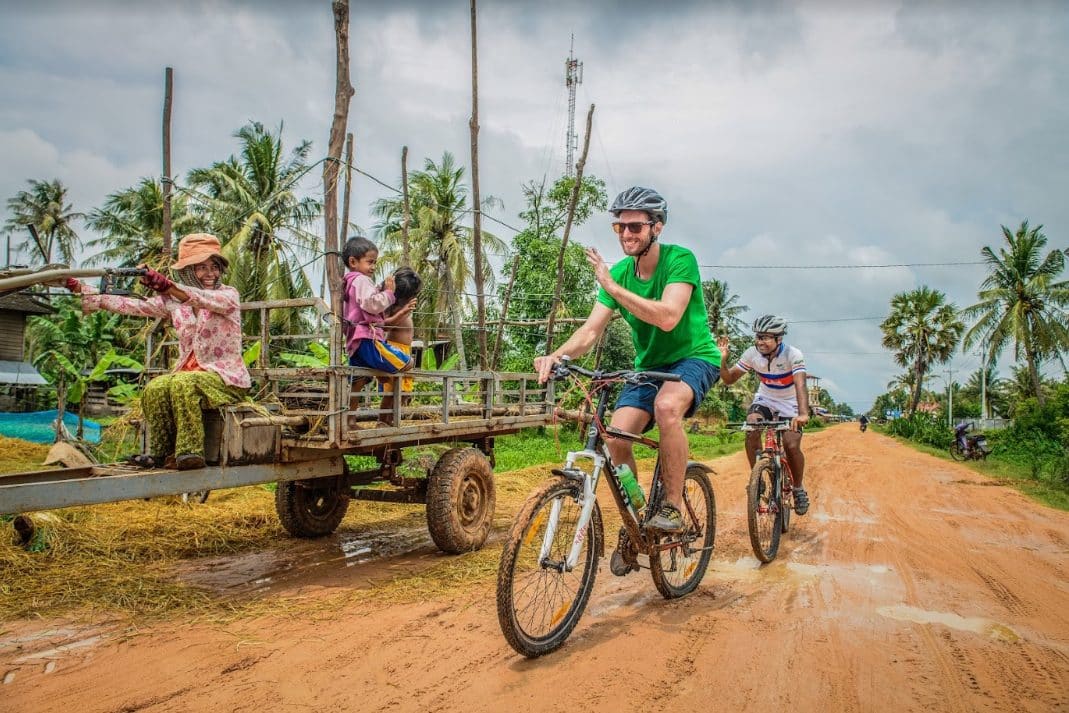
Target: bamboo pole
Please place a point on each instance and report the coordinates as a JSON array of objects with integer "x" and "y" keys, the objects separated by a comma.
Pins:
[
  {"x": 480, "y": 299},
  {"x": 348, "y": 190},
  {"x": 406, "y": 218},
  {"x": 504, "y": 312},
  {"x": 567, "y": 230},
  {"x": 343, "y": 93},
  {"x": 168, "y": 83}
]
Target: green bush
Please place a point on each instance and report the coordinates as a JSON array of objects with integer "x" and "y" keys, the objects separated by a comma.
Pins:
[
  {"x": 1039, "y": 437},
  {"x": 922, "y": 428}
]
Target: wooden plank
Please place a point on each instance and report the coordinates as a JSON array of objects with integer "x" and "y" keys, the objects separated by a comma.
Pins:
[{"x": 55, "y": 489}]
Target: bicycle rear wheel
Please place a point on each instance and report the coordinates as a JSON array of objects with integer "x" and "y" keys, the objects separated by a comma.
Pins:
[
  {"x": 763, "y": 513},
  {"x": 538, "y": 603},
  {"x": 678, "y": 569}
]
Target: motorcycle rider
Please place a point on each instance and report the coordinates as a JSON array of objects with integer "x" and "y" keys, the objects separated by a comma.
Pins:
[{"x": 864, "y": 422}]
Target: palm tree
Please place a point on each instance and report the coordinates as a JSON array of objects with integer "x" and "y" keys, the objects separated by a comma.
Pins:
[
  {"x": 1020, "y": 386},
  {"x": 252, "y": 206},
  {"x": 45, "y": 207},
  {"x": 723, "y": 308},
  {"x": 131, "y": 225},
  {"x": 440, "y": 247},
  {"x": 988, "y": 385},
  {"x": 922, "y": 330},
  {"x": 1021, "y": 301}
]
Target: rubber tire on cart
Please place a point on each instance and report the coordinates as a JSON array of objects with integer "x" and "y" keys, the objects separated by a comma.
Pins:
[
  {"x": 460, "y": 500},
  {"x": 313, "y": 507}
]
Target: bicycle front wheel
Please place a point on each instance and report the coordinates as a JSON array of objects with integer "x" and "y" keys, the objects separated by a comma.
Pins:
[
  {"x": 678, "y": 561},
  {"x": 539, "y": 599},
  {"x": 763, "y": 513}
]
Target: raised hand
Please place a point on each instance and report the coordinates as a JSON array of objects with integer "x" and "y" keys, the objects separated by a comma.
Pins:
[
  {"x": 601, "y": 268},
  {"x": 156, "y": 281}
]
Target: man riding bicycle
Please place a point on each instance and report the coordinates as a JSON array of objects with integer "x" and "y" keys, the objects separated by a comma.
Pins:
[
  {"x": 781, "y": 394},
  {"x": 657, "y": 288}
]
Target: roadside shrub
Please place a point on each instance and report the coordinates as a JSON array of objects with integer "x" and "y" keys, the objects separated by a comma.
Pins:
[{"x": 922, "y": 428}]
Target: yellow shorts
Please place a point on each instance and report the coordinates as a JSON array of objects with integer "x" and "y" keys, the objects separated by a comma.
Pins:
[{"x": 386, "y": 385}]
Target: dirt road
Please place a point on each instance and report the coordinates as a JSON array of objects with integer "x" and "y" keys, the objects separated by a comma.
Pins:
[{"x": 909, "y": 586}]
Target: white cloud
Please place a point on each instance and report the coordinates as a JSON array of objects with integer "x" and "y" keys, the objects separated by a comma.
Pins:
[{"x": 811, "y": 133}]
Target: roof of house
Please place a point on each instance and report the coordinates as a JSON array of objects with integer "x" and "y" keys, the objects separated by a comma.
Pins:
[
  {"x": 21, "y": 373},
  {"x": 24, "y": 302}
]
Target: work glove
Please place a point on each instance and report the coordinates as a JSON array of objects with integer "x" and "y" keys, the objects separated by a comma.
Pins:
[
  {"x": 156, "y": 281},
  {"x": 72, "y": 285}
]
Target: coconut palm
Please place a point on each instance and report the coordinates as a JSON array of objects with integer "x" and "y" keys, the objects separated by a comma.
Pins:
[
  {"x": 1022, "y": 301},
  {"x": 130, "y": 224},
  {"x": 988, "y": 385},
  {"x": 45, "y": 207},
  {"x": 252, "y": 205},
  {"x": 440, "y": 247},
  {"x": 922, "y": 330},
  {"x": 723, "y": 308}
]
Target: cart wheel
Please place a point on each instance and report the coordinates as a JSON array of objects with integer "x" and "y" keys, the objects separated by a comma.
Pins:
[
  {"x": 460, "y": 501},
  {"x": 311, "y": 508}
]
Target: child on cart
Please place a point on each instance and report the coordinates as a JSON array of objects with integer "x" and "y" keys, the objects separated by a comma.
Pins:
[{"x": 363, "y": 309}]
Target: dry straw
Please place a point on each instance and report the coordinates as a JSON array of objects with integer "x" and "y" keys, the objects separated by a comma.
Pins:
[{"x": 122, "y": 559}]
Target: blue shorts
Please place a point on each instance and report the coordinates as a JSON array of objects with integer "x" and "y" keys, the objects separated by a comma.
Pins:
[
  {"x": 382, "y": 356},
  {"x": 698, "y": 374}
]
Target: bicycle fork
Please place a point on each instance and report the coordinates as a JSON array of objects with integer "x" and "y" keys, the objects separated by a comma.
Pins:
[{"x": 590, "y": 482}]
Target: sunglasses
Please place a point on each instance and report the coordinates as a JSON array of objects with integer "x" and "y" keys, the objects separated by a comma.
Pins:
[
  {"x": 764, "y": 337},
  {"x": 635, "y": 228}
]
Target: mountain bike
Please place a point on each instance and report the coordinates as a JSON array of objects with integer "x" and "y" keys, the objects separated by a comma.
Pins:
[
  {"x": 550, "y": 558},
  {"x": 770, "y": 492}
]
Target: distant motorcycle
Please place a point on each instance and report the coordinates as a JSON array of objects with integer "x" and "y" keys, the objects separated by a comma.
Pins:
[
  {"x": 864, "y": 424},
  {"x": 966, "y": 447}
]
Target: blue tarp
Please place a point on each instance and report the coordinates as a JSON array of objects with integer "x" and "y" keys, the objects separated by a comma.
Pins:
[{"x": 36, "y": 426}]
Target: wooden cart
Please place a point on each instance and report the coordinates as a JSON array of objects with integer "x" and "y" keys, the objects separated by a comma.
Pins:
[{"x": 299, "y": 428}]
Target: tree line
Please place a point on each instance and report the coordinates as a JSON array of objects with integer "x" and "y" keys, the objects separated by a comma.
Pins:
[{"x": 251, "y": 202}]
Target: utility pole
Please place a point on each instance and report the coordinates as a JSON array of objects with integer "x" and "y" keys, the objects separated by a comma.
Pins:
[
  {"x": 168, "y": 84},
  {"x": 573, "y": 77},
  {"x": 983, "y": 382},
  {"x": 950, "y": 397}
]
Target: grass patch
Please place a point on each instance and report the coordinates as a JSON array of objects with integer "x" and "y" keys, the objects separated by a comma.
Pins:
[{"x": 1015, "y": 475}]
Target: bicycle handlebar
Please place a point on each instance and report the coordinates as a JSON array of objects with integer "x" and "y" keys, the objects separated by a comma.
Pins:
[
  {"x": 565, "y": 367},
  {"x": 778, "y": 425}
]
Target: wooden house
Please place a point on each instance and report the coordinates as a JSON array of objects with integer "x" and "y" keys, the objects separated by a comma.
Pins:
[{"x": 19, "y": 381}]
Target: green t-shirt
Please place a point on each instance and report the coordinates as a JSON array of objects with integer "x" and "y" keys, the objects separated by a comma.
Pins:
[{"x": 655, "y": 347}]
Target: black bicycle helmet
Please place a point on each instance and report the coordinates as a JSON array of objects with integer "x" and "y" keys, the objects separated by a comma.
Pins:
[
  {"x": 644, "y": 199},
  {"x": 770, "y": 324}
]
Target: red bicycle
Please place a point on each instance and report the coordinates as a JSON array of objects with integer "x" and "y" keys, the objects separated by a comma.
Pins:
[{"x": 770, "y": 493}]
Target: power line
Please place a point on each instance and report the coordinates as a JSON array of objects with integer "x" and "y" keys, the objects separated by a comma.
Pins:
[{"x": 842, "y": 267}]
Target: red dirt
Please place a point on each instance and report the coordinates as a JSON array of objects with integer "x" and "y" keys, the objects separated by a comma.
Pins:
[{"x": 907, "y": 587}]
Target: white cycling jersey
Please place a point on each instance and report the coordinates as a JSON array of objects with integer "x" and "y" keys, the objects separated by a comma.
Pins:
[{"x": 776, "y": 373}]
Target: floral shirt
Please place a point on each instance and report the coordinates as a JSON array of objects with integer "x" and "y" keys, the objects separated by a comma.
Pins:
[{"x": 208, "y": 326}]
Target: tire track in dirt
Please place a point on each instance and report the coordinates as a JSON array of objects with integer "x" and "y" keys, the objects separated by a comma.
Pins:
[{"x": 890, "y": 595}]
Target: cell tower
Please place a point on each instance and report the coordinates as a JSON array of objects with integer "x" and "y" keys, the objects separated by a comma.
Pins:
[{"x": 573, "y": 77}]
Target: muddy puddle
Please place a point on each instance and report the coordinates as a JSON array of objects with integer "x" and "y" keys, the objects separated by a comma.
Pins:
[
  {"x": 344, "y": 559},
  {"x": 977, "y": 625}
]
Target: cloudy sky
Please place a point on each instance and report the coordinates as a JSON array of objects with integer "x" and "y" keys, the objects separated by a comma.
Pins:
[{"x": 795, "y": 133}]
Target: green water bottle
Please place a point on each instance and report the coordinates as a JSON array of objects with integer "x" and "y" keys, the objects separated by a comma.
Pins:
[{"x": 631, "y": 486}]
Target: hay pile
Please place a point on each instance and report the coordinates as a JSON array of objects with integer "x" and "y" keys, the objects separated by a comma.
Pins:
[{"x": 121, "y": 559}]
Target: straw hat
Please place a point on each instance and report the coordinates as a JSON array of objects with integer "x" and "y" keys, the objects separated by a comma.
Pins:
[{"x": 195, "y": 248}]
